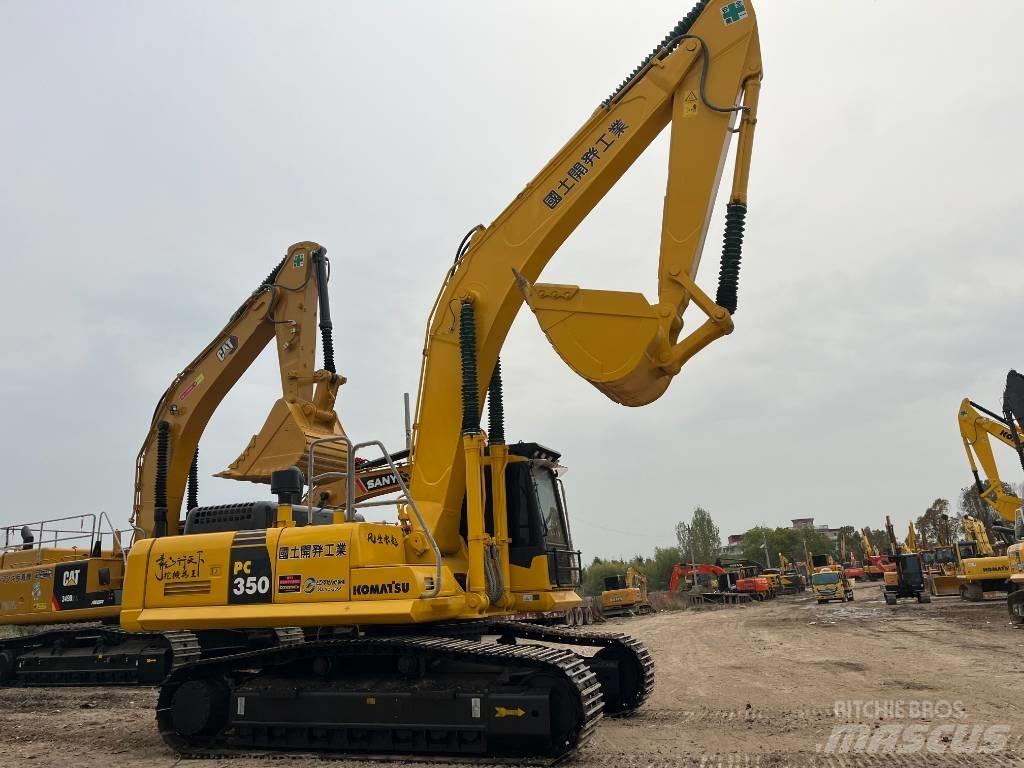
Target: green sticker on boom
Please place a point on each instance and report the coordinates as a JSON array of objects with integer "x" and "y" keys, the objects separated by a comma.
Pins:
[
  {"x": 299, "y": 259},
  {"x": 734, "y": 12}
]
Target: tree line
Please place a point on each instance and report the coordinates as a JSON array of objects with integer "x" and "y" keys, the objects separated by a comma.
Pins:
[{"x": 699, "y": 539}]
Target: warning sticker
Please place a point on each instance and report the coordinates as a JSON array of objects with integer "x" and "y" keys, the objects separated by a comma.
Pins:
[{"x": 690, "y": 104}]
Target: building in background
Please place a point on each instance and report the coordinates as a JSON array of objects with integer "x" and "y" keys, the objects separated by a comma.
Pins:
[
  {"x": 807, "y": 523},
  {"x": 734, "y": 546}
]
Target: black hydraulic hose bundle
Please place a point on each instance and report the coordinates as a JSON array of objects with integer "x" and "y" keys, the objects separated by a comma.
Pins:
[
  {"x": 193, "y": 482},
  {"x": 163, "y": 444},
  {"x": 732, "y": 245},
  {"x": 467, "y": 351},
  {"x": 326, "y": 326},
  {"x": 496, "y": 408},
  {"x": 678, "y": 31},
  {"x": 270, "y": 279}
]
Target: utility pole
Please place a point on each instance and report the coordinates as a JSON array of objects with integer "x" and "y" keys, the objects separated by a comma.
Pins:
[{"x": 693, "y": 559}]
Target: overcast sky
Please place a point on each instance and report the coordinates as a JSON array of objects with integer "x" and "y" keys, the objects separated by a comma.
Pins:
[{"x": 158, "y": 159}]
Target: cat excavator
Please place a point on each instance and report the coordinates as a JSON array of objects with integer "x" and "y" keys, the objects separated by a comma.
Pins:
[
  {"x": 71, "y": 570},
  {"x": 984, "y": 566},
  {"x": 410, "y": 648}
]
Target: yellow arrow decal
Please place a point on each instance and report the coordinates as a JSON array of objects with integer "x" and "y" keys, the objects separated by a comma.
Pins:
[{"x": 504, "y": 712}]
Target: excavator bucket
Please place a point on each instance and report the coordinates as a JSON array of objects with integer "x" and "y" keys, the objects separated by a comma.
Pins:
[
  {"x": 284, "y": 442},
  {"x": 618, "y": 341},
  {"x": 944, "y": 585}
]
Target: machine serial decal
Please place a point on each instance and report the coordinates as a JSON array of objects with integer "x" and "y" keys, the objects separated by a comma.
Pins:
[
  {"x": 387, "y": 588},
  {"x": 587, "y": 160},
  {"x": 312, "y": 551},
  {"x": 188, "y": 565}
]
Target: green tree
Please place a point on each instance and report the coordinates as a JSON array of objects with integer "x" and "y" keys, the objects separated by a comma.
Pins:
[
  {"x": 937, "y": 526},
  {"x": 970, "y": 503},
  {"x": 789, "y": 541},
  {"x": 700, "y": 537},
  {"x": 659, "y": 570}
]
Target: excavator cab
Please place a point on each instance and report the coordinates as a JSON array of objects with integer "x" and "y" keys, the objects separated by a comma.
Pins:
[{"x": 538, "y": 524}]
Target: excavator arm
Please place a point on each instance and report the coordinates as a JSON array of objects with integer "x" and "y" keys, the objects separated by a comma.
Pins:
[
  {"x": 704, "y": 79},
  {"x": 283, "y": 307},
  {"x": 978, "y": 427}
]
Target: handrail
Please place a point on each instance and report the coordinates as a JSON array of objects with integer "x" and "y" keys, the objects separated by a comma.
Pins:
[
  {"x": 48, "y": 533},
  {"x": 350, "y": 503},
  {"x": 407, "y": 498}
]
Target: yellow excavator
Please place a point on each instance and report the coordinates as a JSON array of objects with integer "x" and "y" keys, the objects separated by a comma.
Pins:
[
  {"x": 625, "y": 596},
  {"x": 910, "y": 543},
  {"x": 984, "y": 567},
  {"x": 71, "y": 569},
  {"x": 1013, "y": 418},
  {"x": 395, "y": 615}
]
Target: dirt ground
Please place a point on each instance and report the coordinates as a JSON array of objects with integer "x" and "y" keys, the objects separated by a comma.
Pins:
[{"x": 763, "y": 686}]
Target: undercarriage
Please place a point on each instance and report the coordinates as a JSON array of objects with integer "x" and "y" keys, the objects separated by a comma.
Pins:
[{"x": 481, "y": 689}]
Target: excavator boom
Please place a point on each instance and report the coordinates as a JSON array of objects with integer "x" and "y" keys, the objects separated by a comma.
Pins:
[
  {"x": 283, "y": 307},
  {"x": 978, "y": 427},
  {"x": 627, "y": 347}
]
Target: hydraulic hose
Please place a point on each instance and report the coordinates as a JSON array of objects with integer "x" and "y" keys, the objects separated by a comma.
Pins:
[
  {"x": 163, "y": 444},
  {"x": 467, "y": 351},
  {"x": 193, "y": 482},
  {"x": 495, "y": 408},
  {"x": 732, "y": 247},
  {"x": 326, "y": 326}
]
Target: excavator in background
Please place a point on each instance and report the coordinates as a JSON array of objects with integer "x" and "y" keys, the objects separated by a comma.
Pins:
[
  {"x": 394, "y": 661},
  {"x": 988, "y": 567},
  {"x": 876, "y": 564},
  {"x": 941, "y": 565},
  {"x": 907, "y": 580},
  {"x": 625, "y": 596},
  {"x": 707, "y": 583},
  {"x": 910, "y": 543},
  {"x": 851, "y": 568},
  {"x": 792, "y": 574},
  {"x": 71, "y": 569}
]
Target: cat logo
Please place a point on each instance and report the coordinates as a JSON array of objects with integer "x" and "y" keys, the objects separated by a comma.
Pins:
[
  {"x": 228, "y": 346},
  {"x": 71, "y": 578}
]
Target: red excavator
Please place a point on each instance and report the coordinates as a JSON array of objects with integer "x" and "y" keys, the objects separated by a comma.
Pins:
[{"x": 709, "y": 578}]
